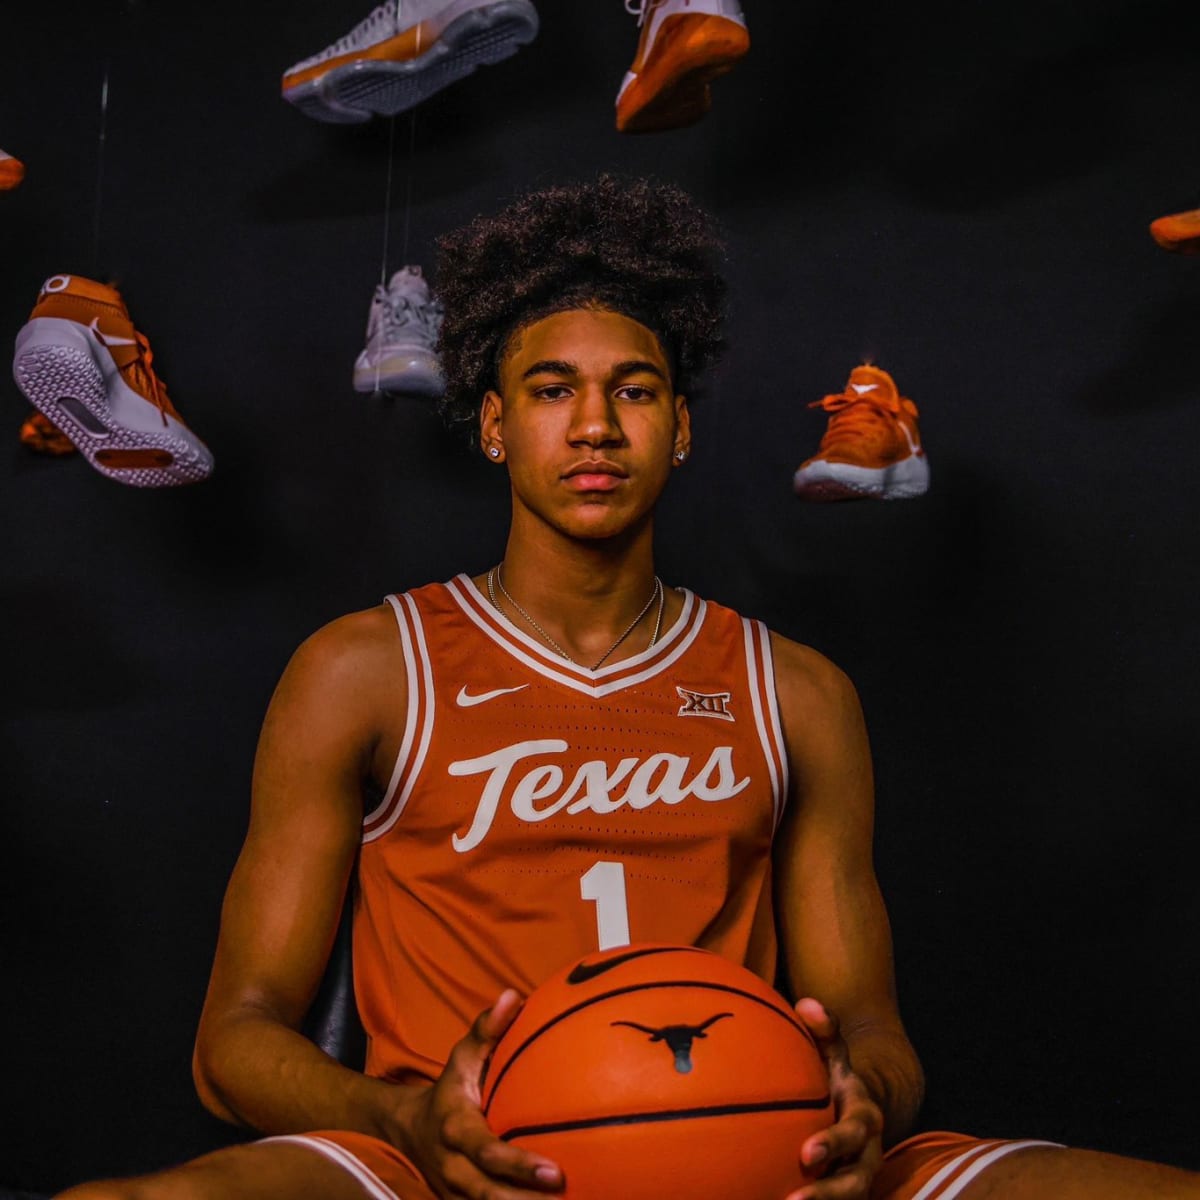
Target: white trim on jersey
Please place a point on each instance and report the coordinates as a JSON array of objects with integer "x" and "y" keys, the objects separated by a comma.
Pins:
[
  {"x": 768, "y": 661},
  {"x": 758, "y": 683},
  {"x": 984, "y": 1156},
  {"x": 516, "y": 642},
  {"x": 410, "y": 718},
  {"x": 420, "y": 707},
  {"x": 339, "y": 1156}
]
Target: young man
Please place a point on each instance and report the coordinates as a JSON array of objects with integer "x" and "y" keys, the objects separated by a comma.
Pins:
[{"x": 568, "y": 756}]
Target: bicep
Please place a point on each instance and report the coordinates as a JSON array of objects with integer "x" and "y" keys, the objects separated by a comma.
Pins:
[
  {"x": 834, "y": 928},
  {"x": 285, "y": 894}
]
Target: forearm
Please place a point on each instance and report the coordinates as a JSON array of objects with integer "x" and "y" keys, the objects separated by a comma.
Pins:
[
  {"x": 884, "y": 1059},
  {"x": 251, "y": 1069}
]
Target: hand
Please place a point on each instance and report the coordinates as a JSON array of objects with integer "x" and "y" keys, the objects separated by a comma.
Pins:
[
  {"x": 853, "y": 1145},
  {"x": 448, "y": 1138}
]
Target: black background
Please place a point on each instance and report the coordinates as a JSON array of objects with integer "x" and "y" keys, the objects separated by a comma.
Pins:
[{"x": 959, "y": 192}]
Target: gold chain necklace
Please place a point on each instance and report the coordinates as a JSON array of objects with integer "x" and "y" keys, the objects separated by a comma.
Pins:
[{"x": 494, "y": 578}]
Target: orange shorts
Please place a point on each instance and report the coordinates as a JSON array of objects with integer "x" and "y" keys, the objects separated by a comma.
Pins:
[{"x": 930, "y": 1166}]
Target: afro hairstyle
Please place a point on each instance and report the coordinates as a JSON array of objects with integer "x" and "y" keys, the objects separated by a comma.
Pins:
[{"x": 634, "y": 246}]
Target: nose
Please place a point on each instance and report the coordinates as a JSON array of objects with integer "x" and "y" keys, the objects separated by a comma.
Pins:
[{"x": 594, "y": 420}]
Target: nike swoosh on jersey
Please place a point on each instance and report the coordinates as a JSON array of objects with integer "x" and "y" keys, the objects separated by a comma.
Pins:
[
  {"x": 584, "y": 971},
  {"x": 465, "y": 700}
]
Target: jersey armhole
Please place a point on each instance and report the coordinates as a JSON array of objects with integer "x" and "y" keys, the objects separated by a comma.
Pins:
[
  {"x": 760, "y": 670},
  {"x": 418, "y": 720}
]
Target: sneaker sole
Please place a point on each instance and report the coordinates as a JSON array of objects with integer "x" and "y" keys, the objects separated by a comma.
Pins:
[
  {"x": 477, "y": 38},
  {"x": 121, "y": 434},
  {"x": 823, "y": 481},
  {"x": 676, "y": 94}
]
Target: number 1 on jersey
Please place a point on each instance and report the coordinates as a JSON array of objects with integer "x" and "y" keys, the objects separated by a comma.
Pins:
[{"x": 604, "y": 883}]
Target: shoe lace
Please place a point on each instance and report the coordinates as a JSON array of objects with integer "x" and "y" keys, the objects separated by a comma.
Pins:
[
  {"x": 158, "y": 389},
  {"x": 386, "y": 15},
  {"x": 642, "y": 8},
  {"x": 857, "y": 417},
  {"x": 400, "y": 311}
]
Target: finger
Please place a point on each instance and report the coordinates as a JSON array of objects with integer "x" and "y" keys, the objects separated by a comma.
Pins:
[
  {"x": 846, "y": 1140},
  {"x": 853, "y": 1183},
  {"x": 466, "y": 1132},
  {"x": 490, "y": 1025},
  {"x": 820, "y": 1021},
  {"x": 463, "y": 1178},
  {"x": 467, "y": 1057}
]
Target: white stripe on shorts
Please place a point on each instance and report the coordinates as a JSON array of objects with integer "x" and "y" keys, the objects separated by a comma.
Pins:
[
  {"x": 371, "y": 1183},
  {"x": 984, "y": 1157}
]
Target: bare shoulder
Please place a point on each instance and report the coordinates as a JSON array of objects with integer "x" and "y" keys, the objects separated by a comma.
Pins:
[
  {"x": 348, "y": 668},
  {"x": 357, "y": 642},
  {"x": 809, "y": 686}
]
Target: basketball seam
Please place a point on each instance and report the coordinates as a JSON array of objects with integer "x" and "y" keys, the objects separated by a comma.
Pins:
[
  {"x": 637, "y": 987},
  {"x": 677, "y": 1114}
]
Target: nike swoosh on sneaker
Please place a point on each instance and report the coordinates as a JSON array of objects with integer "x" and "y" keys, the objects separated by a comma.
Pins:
[
  {"x": 108, "y": 339},
  {"x": 863, "y": 388},
  {"x": 465, "y": 700},
  {"x": 912, "y": 444}
]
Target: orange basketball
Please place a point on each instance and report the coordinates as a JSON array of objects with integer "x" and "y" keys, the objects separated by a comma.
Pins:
[{"x": 649, "y": 1071}]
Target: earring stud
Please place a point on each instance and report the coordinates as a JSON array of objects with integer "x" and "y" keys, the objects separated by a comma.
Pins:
[
  {"x": 494, "y": 451},
  {"x": 680, "y": 455}
]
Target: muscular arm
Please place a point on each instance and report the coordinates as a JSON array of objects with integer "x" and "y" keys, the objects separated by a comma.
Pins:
[
  {"x": 834, "y": 927},
  {"x": 321, "y": 738}
]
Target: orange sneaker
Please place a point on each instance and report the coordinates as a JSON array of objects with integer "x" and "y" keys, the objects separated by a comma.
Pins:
[
  {"x": 872, "y": 447},
  {"x": 42, "y": 436},
  {"x": 12, "y": 171},
  {"x": 82, "y": 364},
  {"x": 1179, "y": 232},
  {"x": 684, "y": 45}
]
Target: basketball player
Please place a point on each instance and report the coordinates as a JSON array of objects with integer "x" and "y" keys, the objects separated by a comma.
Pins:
[{"x": 567, "y": 755}]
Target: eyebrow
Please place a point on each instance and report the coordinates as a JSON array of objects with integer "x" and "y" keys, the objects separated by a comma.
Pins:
[{"x": 557, "y": 366}]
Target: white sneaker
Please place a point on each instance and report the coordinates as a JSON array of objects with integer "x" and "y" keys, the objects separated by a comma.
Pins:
[
  {"x": 404, "y": 52},
  {"x": 402, "y": 330}
]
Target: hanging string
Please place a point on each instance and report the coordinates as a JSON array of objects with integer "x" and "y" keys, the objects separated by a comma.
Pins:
[
  {"x": 408, "y": 191},
  {"x": 387, "y": 201},
  {"x": 99, "y": 203}
]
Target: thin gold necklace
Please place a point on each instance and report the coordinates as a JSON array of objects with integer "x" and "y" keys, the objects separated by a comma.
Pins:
[{"x": 494, "y": 578}]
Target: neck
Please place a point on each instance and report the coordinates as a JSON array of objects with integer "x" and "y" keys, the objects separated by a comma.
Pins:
[{"x": 583, "y": 594}]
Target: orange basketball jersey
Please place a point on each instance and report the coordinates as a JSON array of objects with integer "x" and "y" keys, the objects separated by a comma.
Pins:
[{"x": 539, "y": 811}]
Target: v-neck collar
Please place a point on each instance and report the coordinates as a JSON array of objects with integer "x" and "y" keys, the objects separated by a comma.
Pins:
[{"x": 538, "y": 657}]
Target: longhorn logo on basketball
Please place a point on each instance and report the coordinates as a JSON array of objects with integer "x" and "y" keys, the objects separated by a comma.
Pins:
[
  {"x": 538, "y": 793},
  {"x": 679, "y": 1038}
]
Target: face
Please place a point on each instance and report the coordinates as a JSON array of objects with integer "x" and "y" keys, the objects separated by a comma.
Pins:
[{"x": 587, "y": 422}]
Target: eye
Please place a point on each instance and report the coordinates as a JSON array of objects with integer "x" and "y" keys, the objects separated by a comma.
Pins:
[
  {"x": 636, "y": 392},
  {"x": 552, "y": 391}
]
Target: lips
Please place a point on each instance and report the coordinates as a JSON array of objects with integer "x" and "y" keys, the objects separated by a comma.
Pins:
[{"x": 597, "y": 476}]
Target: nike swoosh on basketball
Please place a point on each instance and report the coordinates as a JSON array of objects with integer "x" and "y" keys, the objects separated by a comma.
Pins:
[
  {"x": 108, "y": 339},
  {"x": 584, "y": 971},
  {"x": 465, "y": 700}
]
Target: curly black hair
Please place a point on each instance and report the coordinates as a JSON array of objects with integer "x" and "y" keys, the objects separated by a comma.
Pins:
[{"x": 635, "y": 246}]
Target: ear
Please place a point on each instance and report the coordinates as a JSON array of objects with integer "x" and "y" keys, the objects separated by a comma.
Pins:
[
  {"x": 491, "y": 414},
  {"x": 683, "y": 431}
]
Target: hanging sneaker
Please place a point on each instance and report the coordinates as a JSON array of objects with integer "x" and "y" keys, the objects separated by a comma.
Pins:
[
  {"x": 402, "y": 331},
  {"x": 82, "y": 364},
  {"x": 1179, "y": 232},
  {"x": 871, "y": 448},
  {"x": 404, "y": 52},
  {"x": 42, "y": 436},
  {"x": 12, "y": 171},
  {"x": 684, "y": 46}
]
